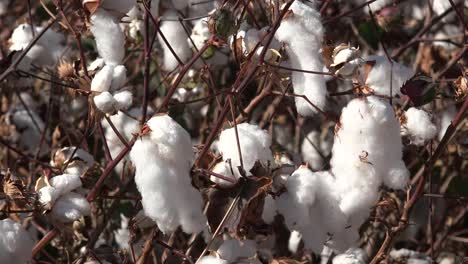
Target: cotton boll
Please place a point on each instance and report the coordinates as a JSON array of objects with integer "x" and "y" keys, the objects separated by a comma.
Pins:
[
  {"x": 109, "y": 37},
  {"x": 176, "y": 36},
  {"x": 48, "y": 195},
  {"x": 351, "y": 256},
  {"x": 366, "y": 153},
  {"x": 105, "y": 102},
  {"x": 378, "y": 78},
  {"x": 75, "y": 158},
  {"x": 103, "y": 79},
  {"x": 162, "y": 159},
  {"x": 233, "y": 249},
  {"x": 418, "y": 126},
  {"x": 119, "y": 77},
  {"x": 222, "y": 168},
  {"x": 294, "y": 241},
  {"x": 70, "y": 207},
  {"x": 15, "y": 243},
  {"x": 123, "y": 100},
  {"x": 96, "y": 64},
  {"x": 200, "y": 33},
  {"x": 65, "y": 183},
  {"x": 303, "y": 33},
  {"x": 254, "y": 144},
  {"x": 377, "y": 5},
  {"x": 29, "y": 126},
  {"x": 212, "y": 260}
]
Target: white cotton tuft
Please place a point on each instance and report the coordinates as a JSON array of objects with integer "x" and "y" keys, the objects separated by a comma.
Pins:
[
  {"x": 176, "y": 36},
  {"x": 446, "y": 119},
  {"x": 303, "y": 33},
  {"x": 109, "y": 36},
  {"x": 119, "y": 77},
  {"x": 163, "y": 159},
  {"x": 212, "y": 260},
  {"x": 254, "y": 144},
  {"x": 311, "y": 207},
  {"x": 30, "y": 126},
  {"x": 418, "y": 126},
  {"x": 103, "y": 79},
  {"x": 105, "y": 102},
  {"x": 367, "y": 152},
  {"x": 351, "y": 256},
  {"x": 378, "y": 78},
  {"x": 47, "y": 50},
  {"x": 233, "y": 249},
  {"x": 65, "y": 183},
  {"x": 294, "y": 241},
  {"x": 377, "y": 5},
  {"x": 123, "y": 100},
  {"x": 314, "y": 150},
  {"x": 122, "y": 235},
  {"x": 15, "y": 243},
  {"x": 223, "y": 168},
  {"x": 70, "y": 207}
]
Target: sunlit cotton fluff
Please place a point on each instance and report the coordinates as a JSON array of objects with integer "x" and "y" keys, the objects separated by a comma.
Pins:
[
  {"x": 314, "y": 150},
  {"x": 254, "y": 144},
  {"x": 367, "y": 152},
  {"x": 163, "y": 158},
  {"x": 302, "y": 31},
  {"x": 418, "y": 126},
  {"x": 109, "y": 36},
  {"x": 15, "y": 243},
  {"x": 176, "y": 36},
  {"x": 311, "y": 207},
  {"x": 382, "y": 71},
  {"x": 351, "y": 256}
]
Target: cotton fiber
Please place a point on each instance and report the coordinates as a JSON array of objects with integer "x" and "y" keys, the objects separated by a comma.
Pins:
[
  {"x": 302, "y": 31},
  {"x": 163, "y": 159},
  {"x": 254, "y": 145},
  {"x": 378, "y": 78},
  {"x": 176, "y": 36},
  {"x": 15, "y": 243},
  {"x": 418, "y": 126},
  {"x": 109, "y": 36}
]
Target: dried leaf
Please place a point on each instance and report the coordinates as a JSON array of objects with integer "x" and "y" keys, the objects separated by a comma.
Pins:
[{"x": 91, "y": 5}]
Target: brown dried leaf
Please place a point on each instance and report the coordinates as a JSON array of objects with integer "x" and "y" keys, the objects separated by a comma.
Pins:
[
  {"x": 91, "y": 5},
  {"x": 461, "y": 87},
  {"x": 367, "y": 68}
]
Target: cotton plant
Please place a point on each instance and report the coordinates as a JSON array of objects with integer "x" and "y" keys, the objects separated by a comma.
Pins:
[
  {"x": 254, "y": 146},
  {"x": 302, "y": 33},
  {"x": 162, "y": 159},
  {"x": 61, "y": 195},
  {"x": 233, "y": 251},
  {"x": 417, "y": 125},
  {"x": 15, "y": 243},
  {"x": 351, "y": 256}
]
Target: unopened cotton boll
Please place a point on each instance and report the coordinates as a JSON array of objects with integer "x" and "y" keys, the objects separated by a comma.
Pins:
[
  {"x": 123, "y": 100},
  {"x": 15, "y": 243},
  {"x": 109, "y": 37},
  {"x": 105, "y": 102},
  {"x": 367, "y": 152},
  {"x": 176, "y": 36},
  {"x": 303, "y": 33},
  {"x": 378, "y": 78},
  {"x": 254, "y": 144},
  {"x": 163, "y": 159},
  {"x": 418, "y": 126},
  {"x": 103, "y": 79}
]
